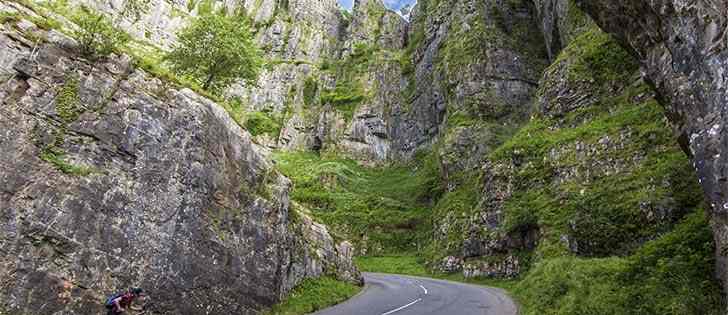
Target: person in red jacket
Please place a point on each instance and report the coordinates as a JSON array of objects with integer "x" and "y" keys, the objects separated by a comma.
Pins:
[{"x": 118, "y": 303}]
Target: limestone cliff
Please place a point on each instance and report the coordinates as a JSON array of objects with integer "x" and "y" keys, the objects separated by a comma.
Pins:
[
  {"x": 586, "y": 175},
  {"x": 112, "y": 178}
]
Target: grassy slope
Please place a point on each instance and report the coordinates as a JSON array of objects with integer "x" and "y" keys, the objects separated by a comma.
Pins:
[
  {"x": 315, "y": 294},
  {"x": 383, "y": 210},
  {"x": 670, "y": 275}
]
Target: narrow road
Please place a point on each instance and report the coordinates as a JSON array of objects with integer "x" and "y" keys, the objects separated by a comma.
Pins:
[{"x": 386, "y": 294}]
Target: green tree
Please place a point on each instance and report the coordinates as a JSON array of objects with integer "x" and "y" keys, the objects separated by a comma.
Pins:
[
  {"x": 215, "y": 51},
  {"x": 95, "y": 34}
]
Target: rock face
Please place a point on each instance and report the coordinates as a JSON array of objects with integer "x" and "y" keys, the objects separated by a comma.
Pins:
[
  {"x": 551, "y": 190},
  {"x": 476, "y": 67},
  {"x": 561, "y": 22},
  {"x": 111, "y": 178},
  {"x": 682, "y": 47}
]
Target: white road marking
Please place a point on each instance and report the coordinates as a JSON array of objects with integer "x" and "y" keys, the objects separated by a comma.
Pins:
[
  {"x": 402, "y": 307},
  {"x": 423, "y": 289}
]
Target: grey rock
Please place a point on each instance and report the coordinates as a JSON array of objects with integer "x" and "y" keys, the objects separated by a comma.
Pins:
[{"x": 126, "y": 180}]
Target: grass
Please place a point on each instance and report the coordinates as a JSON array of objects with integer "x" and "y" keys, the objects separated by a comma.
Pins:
[
  {"x": 400, "y": 264},
  {"x": 381, "y": 209},
  {"x": 58, "y": 161},
  {"x": 670, "y": 275},
  {"x": 258, "y": 123},
  {"x": 345, "y": 97},
  {"x": 315, "y": 294}
]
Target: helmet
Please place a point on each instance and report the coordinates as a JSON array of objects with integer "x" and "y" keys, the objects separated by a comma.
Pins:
[{"x": 136, "y": 291}]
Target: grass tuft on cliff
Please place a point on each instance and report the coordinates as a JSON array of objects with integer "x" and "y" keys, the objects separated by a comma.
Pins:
[{"x": 312, "y": 295}]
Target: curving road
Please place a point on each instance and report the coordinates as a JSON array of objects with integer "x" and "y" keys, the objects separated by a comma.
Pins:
[{"x": 386, "y": 294}]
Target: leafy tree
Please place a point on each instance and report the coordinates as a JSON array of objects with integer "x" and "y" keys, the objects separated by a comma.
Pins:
[
  {"x": 216, "y": 50},
  {"x": 95, "y": 34}
]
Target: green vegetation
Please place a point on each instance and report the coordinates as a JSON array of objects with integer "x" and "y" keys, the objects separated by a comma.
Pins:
[
  {"x": 310, "y": 90},
  {"x": 99, "y": 37},
  {"x": 68, "y": 104},
  {"x": 345, "y": 97},
  {"x": 258, "y": 123},
  {"x": 670, "y": 275},
  {"x": 351, "y": 80},
  {"x": 216, "y": 50},
  {"x": 68, "y": 108},
  {"x": 315, "y": 294},
  {"x": 95, "y": 34},
  {"x": 397, "y": 264},
  {"x": 595, "y": 55},
  {"x": 56, "y": 158},
  {"x": 604, "y": 212},
  {"x": 135, "y": 9},
  {"x": 625, "y": 166},
  {"x": 382, "y": 209}
]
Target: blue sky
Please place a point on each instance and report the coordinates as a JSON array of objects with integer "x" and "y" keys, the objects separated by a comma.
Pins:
[{"x": 392, "y": 4}]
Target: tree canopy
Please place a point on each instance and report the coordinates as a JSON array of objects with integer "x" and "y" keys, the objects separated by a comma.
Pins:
[{"x": 215, "y": 51}]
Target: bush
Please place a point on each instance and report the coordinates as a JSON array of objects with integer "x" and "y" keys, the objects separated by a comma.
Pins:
[
  {"x": 135, "y": 9},
  {"x": 310, "y": 89},
  {"x": 215, "y": 51},
  {"x": 96, "y": 35},
  {"x": 258, "y": 123}
]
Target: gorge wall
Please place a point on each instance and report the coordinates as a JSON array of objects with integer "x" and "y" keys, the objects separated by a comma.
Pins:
[{"x": 112, "y": 178}]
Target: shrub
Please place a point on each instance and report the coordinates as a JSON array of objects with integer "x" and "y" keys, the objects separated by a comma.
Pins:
[
  {"x": 258, "y": 123},
  {"x": 95, "y": 34},
  {"x": 310, "y": 89}
]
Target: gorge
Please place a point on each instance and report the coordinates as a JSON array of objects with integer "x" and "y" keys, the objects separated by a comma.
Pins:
[{"x": 572, "y": 147}]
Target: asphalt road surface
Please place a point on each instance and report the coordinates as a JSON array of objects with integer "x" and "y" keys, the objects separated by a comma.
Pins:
[{"x": 386, "y": 294}]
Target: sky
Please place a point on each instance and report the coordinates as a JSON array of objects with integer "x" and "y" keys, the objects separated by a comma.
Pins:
[{"x": 392, "y": 4}]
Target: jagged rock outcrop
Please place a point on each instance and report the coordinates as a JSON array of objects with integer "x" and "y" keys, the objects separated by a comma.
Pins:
[
  {"x": 112, "y": 178},
  {"x": 682, "y": 47}
]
